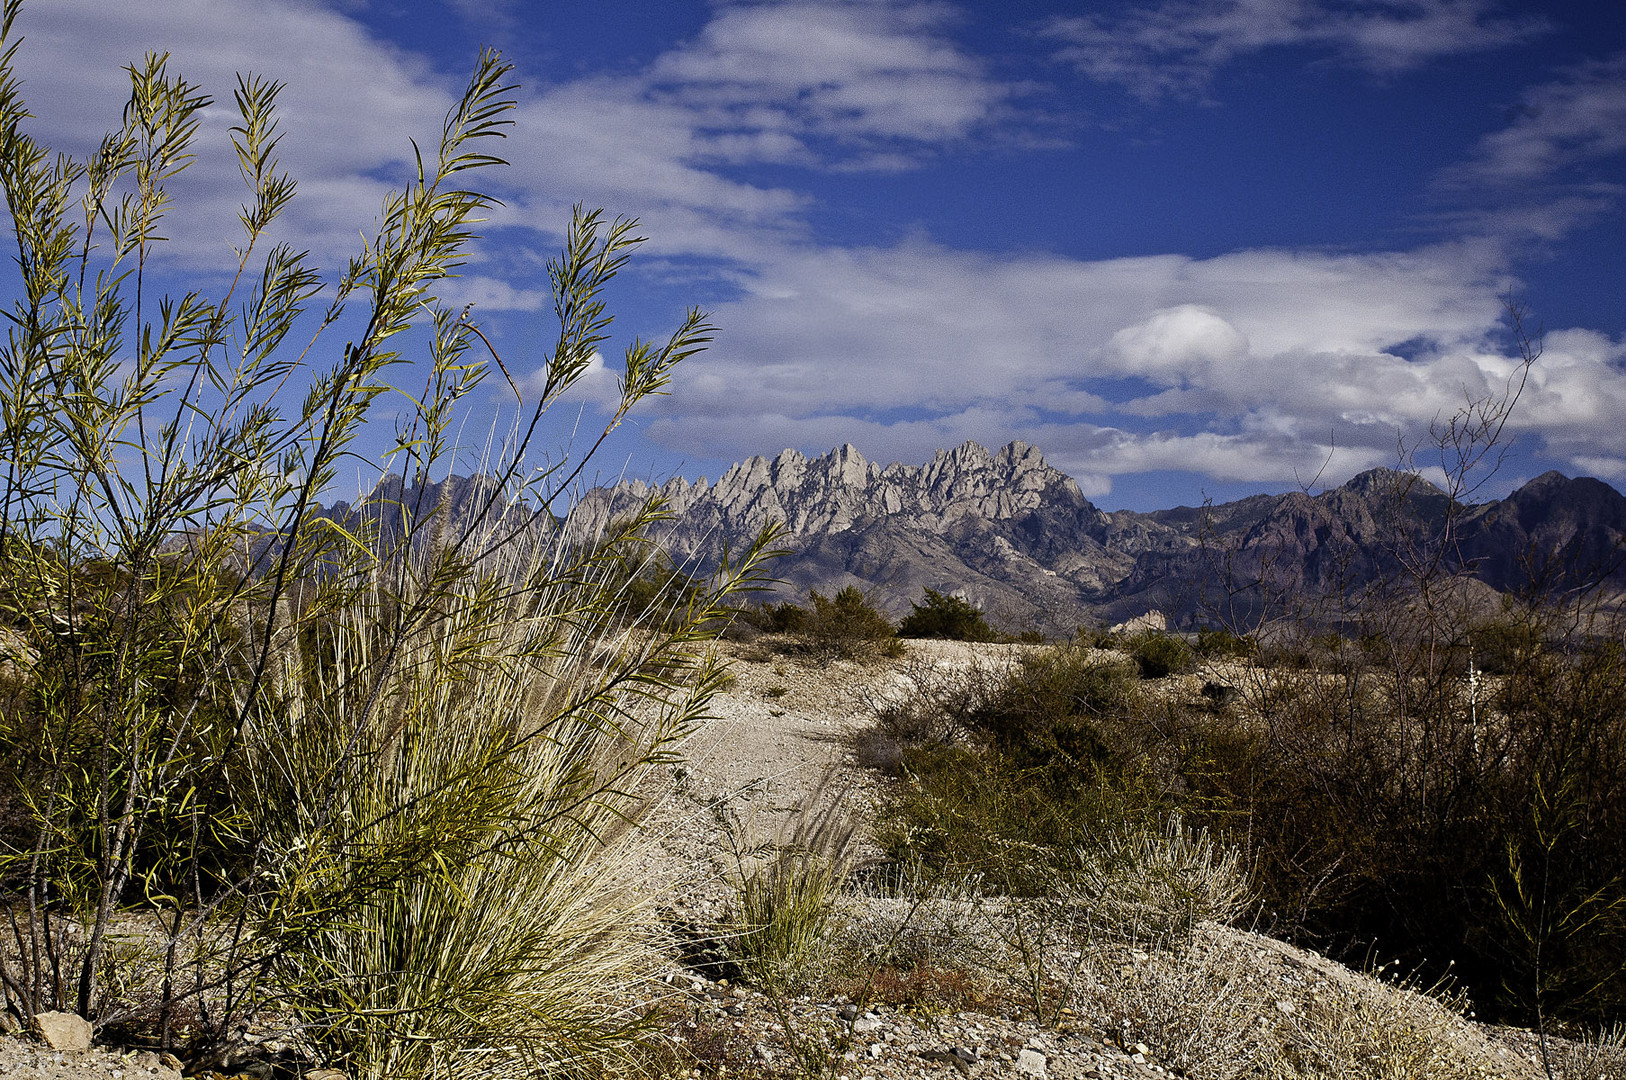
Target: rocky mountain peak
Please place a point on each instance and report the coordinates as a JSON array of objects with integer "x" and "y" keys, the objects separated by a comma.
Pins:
[
  {"x": 1008, "y": 513},
  {"x": 1019, "y": 539}
]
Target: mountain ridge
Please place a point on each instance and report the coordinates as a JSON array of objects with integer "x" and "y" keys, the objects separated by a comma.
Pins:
[{"x": 1018, "y": 537}]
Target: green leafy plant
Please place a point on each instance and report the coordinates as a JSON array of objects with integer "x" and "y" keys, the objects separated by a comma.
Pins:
[
  {"x": 365, "y": 770},
  {"x": 1222, "y": 643},
  {"x": 950, "y": 617},
  {"x": 786, "y": 888},
  {"x": 1159, "y": 655},
  {"x": 849, "y": 626}
]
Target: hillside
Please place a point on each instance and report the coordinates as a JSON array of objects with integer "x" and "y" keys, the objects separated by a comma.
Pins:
[{"x": 1018, "y": 538}]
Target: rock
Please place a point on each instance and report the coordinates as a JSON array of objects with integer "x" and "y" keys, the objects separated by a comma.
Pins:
[
  {"x": 1030, "y": 1062},
  {"x": 867, "y": 1023},
  {"x": 63, "y": 1031},
  {"x": 1008, "y": 529},
  {"x": 325, "y": 1074}
]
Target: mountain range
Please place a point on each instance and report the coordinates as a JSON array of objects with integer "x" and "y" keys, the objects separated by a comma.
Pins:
[{"x": 1017, "y": 537}]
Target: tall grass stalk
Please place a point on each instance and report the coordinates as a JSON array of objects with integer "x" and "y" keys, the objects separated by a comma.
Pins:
[
  {"x": 786, "y": 888},
  {"x": 489, "y": 791},
  {"x": 360, "y": 771}
]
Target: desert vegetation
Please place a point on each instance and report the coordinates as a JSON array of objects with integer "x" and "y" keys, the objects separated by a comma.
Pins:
[
  {"x": 365, "y": 778},
  {"x": 359, "y": 777}
]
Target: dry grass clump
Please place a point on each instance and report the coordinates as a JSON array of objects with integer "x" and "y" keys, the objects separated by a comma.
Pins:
[
  {"x": 1223, "y": 1007},
  {"x": 1157, "y": 885},
  {"x": 1601, "y": 1057},
  {"x": 786, "y": 888}
]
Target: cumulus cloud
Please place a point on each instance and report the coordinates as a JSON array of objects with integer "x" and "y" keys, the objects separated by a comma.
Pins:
[
  {"x": 599, "y": 386},
  {"x": 1255, "y": 366},
  {"x": 1176, "y": 47},
  {"x": 349, "y": 107},
  {"x": 1578, "y": 118},
  {"x": 1262, "y": 366},
  {"x": 824, "y": 84},
  {"x": 1175, "y": 344},
  {"x": 922, "y": 325},
  {"x": 486, "y": 294}
]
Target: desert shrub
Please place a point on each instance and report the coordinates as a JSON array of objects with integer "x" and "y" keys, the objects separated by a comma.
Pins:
[
  {"x": 949, "y": 617},
  {"x": 1476, "y": 825},
  {"x": 1063, "y": 690},
  {"x": 849, "y": 626},
  {"x": 1095, "y": 637},
  {"x": 1501, "y": 646},
  {"x": 934, "y": 711},
  {"x": 785, "y": 889},
  {"x": 966, "y": 812},
  {"x": 1158, "y": 655},
  {"x": 1601, "y": 1056},
  {"x": 1448, "y": 821},
  {"x": 1225, "y": 644},
  {"x": 365, "y": 769},
  {"x": 1155, "y": 884},
  {"x": 781, "y": 618},
  {"x": 1007, "y": 768}
]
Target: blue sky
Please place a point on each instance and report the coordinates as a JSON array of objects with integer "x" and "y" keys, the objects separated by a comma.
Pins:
[{"x": 1186, "y": 247}]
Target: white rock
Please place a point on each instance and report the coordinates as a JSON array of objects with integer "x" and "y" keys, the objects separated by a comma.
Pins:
[
  {"x": 1030, "y": 1062},
  {"x": 64, "y": 1031}
]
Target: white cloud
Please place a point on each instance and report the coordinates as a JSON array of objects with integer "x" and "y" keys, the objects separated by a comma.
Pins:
[
  {"x": 766, "y": 80},
  {"x": 1256, "y": 365},
  {"x": 1579, "y": 118},
  {"x": 598, "y": 386},
  {"x": 923, "y": 326},
  {"x": 1172, "y": 345},
  {"x": 1539, "y": 177},
  {"x": 1176, "y": 47},
  {"x": 488, "y": 294},
  {"x": 349, "y": 106},
  {"x": 1259, "y": 366}
]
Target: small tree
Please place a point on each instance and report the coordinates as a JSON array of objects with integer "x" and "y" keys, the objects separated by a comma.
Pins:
[
  {"x": 950, "y": 617},
  {"x": 848, "y": 625}
]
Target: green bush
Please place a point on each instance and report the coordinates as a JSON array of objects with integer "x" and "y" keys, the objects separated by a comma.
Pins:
[
  {"x": 781, "y": 618},
  {"x": 1223, "y": 644},
  {"x": 1015, "y": 768},
  {"x": 365, "y": 771},
  {"x": 1158, "y": 655},
  {"x": 1476, "y": 829},
  {"x": 1503, "y": 646},
  {"x": 849, "y": 626},
  {"x": 948, "y": 617},
  {"x": 1054, "y": 705},
  {"x": 785, "y": 890}
]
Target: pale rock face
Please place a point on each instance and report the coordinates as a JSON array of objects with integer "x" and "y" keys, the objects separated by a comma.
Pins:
[
  {"x": 903, "y": 528},
  {"x": 63, "y": 1030}
]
